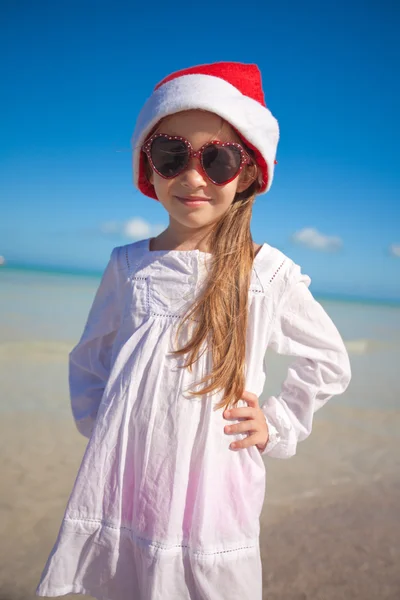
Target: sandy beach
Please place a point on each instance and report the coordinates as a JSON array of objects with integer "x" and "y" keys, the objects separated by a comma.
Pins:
[{"x": 330, "y": 526}]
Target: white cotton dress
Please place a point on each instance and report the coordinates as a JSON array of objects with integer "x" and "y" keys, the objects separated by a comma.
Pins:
[{"x": 162, "y": 508}]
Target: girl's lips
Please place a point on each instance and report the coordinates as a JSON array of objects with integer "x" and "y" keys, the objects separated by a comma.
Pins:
[{"x": 193, "y": 201}]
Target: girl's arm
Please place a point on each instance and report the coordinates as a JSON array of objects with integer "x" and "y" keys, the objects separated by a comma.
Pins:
[
  {"x": 89, "y": 361},
  {"x": 302, "y": 328}
]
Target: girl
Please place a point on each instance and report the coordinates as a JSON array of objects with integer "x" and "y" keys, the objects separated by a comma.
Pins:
[{"x": 164, "y": 506}]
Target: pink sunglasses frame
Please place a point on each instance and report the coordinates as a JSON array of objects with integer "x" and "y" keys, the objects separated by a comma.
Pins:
[{"x": 244, "y": 157}]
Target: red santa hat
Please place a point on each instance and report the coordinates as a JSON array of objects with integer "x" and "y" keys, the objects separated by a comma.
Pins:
[{"x": 229, "y": 89}]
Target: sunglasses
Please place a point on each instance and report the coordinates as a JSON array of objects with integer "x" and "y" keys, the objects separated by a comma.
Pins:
[{"x": 170, "y": 155}]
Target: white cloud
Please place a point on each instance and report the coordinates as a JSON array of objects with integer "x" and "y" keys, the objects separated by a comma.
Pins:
[
  {"x": 395, "y": 250},
  {"x": 133, "y": 229},
  {"x": 136, "y": 229},
  {"x": 315, "y": 240}
]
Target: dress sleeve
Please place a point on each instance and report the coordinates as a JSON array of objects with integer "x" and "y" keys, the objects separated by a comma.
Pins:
[
  {"x": 89, "y": 361},
  {"x": 302, "y": 329}
]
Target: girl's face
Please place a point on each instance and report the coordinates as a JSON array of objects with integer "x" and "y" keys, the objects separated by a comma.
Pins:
[{"x": 199, "y": 127}]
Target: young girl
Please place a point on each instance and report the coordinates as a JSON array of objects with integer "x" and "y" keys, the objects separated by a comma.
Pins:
[{"x": 164, "y": 507}]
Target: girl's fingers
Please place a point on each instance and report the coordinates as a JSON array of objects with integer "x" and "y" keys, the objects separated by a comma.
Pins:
[
  {"x": 251, "y": 440},
  {"x": 239, "y": 413},
  {"x": 248, "y": 425}
]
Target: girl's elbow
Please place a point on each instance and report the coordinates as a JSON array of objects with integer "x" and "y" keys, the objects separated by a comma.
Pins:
[
  {"x": 336, "y": 376},
  {"x": 345, "y": 371}
]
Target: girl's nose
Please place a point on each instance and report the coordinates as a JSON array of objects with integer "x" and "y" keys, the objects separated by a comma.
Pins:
[{"x": 193, "y": 176}]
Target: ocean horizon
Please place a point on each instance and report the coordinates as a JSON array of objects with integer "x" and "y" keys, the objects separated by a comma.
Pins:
[{"x": 11, "y": 267}]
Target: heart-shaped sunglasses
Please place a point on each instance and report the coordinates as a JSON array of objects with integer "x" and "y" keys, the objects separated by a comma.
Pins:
[{"x": 170, "y": 155}]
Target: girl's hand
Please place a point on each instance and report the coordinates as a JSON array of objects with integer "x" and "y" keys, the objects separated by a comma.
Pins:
[{"x": 255, "y": 422}]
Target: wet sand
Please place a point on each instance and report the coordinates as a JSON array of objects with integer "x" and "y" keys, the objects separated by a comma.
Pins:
[{"x": 336, "y": 534}]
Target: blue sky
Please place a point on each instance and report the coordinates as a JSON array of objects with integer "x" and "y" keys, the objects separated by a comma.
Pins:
[{"x": 77, "y": 73}]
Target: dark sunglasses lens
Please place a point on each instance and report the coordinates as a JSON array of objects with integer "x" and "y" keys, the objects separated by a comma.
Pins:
[
  {"x": 221, "y": 163},
  {"x": 169, "y": 156}
]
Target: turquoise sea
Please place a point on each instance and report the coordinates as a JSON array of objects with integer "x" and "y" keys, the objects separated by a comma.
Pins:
[{"x": 45, "y": 311}]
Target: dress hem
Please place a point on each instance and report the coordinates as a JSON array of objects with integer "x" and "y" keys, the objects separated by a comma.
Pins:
[{"x": 69, "y": 589}]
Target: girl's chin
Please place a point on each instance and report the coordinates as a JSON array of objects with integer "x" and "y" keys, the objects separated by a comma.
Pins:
[{"x": 193, "y": 219}]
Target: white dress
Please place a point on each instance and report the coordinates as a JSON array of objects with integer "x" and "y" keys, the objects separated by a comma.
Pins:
[{"x": 161, "y": 507}]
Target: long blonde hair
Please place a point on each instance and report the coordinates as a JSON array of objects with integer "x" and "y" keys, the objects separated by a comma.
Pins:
[{"x": 221, "y": 311}]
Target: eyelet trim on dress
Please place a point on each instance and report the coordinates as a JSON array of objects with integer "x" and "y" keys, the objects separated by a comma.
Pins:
[
  {"x": 277, "y": 271},
  {"x": 132, "y": 266},
  {"x": 170, "y": 316},
  {"x": 127, "y": 257},
  {"x": 150, "y": 542},
  {"x": 154, "y": 314}
]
